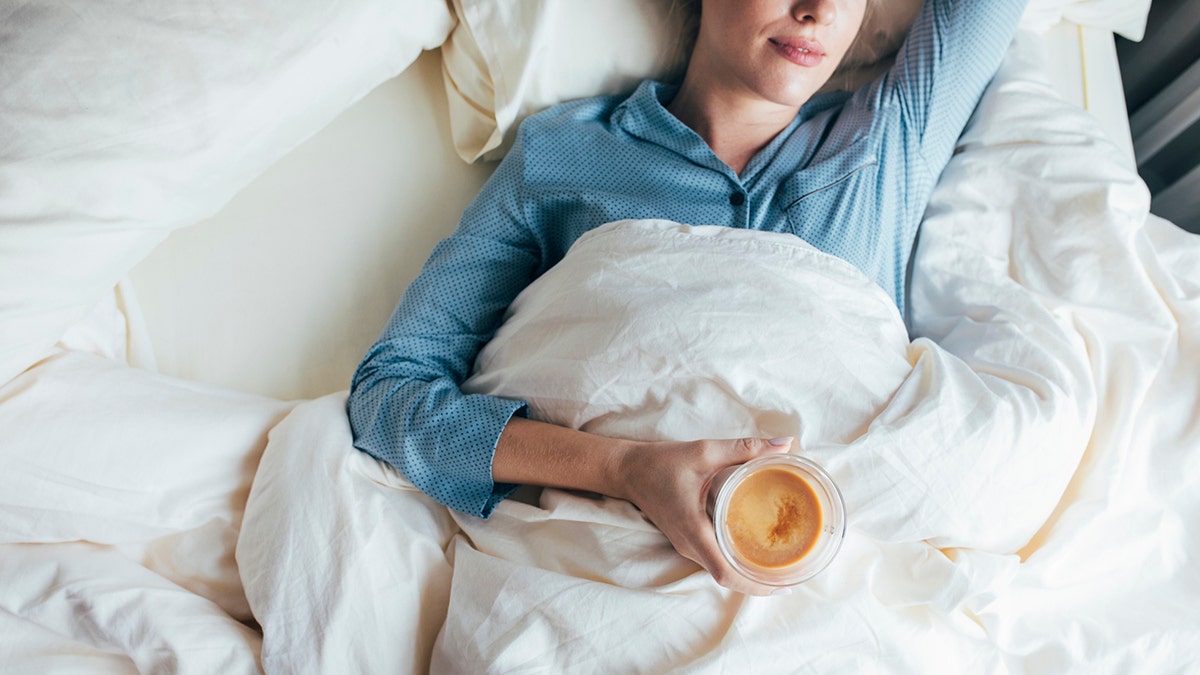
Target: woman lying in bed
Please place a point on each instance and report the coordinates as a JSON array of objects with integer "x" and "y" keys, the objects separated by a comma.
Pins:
[{"x": 745, "y": 141}]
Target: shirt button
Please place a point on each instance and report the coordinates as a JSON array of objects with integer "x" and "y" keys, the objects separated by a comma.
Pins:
[{"x": 737, "y": 199}]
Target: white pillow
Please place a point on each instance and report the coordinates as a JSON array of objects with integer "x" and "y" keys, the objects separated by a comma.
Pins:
[
  {"x": 507, "y": 59},
  {"x": 123, "y": 120}
]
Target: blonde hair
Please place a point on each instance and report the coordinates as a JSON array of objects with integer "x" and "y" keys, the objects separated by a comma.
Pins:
[
  {"x": 860, "y": 50},
  {"x": 686, "y": 15}
]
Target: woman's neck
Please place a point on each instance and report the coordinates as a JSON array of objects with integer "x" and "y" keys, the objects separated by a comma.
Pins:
[{"x": 735, "y": 127}]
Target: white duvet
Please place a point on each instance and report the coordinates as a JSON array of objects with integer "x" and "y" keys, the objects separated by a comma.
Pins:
[
  {"x": 1016, "y": 479},
  {"x": 1019, "y": 480}
]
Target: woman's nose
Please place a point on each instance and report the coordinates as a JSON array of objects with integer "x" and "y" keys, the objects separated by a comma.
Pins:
[{"x": 815, "y": 11}]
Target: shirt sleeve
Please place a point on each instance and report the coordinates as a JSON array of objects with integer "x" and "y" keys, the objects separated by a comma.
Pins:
[
  {"x": 950, "y": 55},
  {"x": 405, "y": 405}
]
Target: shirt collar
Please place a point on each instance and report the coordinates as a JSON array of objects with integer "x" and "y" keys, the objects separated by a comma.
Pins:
[{"x": 644, "y": 115}]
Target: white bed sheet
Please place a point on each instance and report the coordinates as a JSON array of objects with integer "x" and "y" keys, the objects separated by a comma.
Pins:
[{"x": 122, "y": 499}]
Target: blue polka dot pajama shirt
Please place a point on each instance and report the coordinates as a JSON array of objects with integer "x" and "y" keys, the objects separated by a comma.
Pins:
[{"x": 851, "y": 175}]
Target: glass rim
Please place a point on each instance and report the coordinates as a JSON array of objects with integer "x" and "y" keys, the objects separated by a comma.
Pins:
[{"x": 833, "y": 523}]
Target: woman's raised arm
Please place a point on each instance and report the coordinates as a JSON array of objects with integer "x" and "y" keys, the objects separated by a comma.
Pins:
[{"x": 950, "y": 55}]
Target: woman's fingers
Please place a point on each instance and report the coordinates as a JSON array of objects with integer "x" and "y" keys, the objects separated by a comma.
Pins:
[
  {"x": 721, "y": 454},
  {"x": 672, "y": 487},
  {"x": 708, "y": 553},
  {"x": 757, "y": 447}
]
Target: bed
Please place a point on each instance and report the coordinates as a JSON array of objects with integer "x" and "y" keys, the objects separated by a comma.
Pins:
[{"x": 208, "y": 213}]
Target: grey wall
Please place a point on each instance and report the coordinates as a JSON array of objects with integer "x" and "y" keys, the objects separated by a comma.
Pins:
[{"x": 1161, "y": 75}]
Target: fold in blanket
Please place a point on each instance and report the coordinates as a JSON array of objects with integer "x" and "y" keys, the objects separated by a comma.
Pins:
[{"x": 122, "y": 497}]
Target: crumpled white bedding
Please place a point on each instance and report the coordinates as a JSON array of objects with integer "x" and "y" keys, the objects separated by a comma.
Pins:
[
  {"x": 122, "y": 498},
  {"x": 1019, "y": 501},
  {"x": 1018, "y": 480},
  {"x": 1037, "y": 195}
]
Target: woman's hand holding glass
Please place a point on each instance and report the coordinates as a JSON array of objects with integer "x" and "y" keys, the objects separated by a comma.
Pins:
[{"x": 668, "y": 481}]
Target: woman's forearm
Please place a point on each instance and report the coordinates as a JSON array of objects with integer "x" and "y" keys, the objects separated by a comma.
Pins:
[
  {"x": 667, "y": 480},
  {"x": 538, "y": 453}
]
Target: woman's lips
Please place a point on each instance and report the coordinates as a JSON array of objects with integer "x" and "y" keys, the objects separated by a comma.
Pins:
[{"x": 800, "y": 51}]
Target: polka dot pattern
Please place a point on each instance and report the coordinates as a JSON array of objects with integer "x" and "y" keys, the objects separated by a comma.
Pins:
[{"x": 850, "y": 175}]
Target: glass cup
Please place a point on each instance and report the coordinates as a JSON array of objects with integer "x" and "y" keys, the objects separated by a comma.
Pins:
[{"x": 780, "y": 519}]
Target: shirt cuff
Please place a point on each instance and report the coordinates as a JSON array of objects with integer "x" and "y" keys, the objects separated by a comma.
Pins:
[{"x": 481, "y": 494}]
